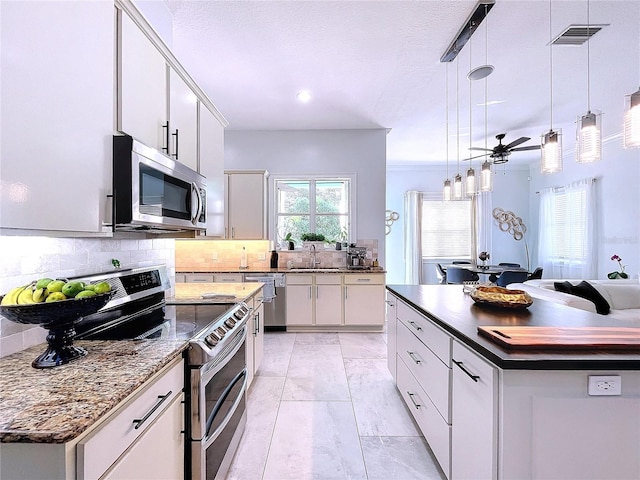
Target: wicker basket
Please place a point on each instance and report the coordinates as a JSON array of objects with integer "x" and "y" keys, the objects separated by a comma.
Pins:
[{"x": 501, "y": 297}]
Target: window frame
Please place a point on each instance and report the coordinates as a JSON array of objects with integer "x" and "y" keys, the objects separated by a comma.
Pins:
[{"x": 351, "y": 202}]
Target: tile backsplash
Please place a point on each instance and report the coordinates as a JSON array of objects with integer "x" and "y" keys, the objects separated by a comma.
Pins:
[{"x": 23, "y": 259}]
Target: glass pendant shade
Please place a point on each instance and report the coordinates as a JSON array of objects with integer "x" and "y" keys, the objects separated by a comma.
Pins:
[
  {"x": 470, "y": 183},
  {"x": 457, "y": 187},
  {"x": 588, "y": 138},
  {"x": 486, "y": 178},
  {"x": 632, "y": 120},
  {"x": 446, "y": 191},
  {"x": 551, "y": 152}
]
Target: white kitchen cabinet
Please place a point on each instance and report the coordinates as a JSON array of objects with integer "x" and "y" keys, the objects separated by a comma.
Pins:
[
  {"x": 228, "y": 277},
  {"x": 211, "y": 163},
  {"x": 299, "y": 298},
  {"x": 392, "y": 303},
  {"x": 474, "y": 416},
  {"x": 183, "y": 121},
  {"x": 198, "y": 277},
  {"x": 246, "y": 204},
  {"x": 142, "y": 86},
  {"x": 57, "y": 116},
  {"x": 328, "y": 299},
  {"x": 255, "y": 337},
  {"x": 364, "y": 299}
]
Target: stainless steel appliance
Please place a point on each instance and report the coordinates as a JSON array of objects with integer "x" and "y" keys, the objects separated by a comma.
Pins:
[
  {"x": 274, "y": 299},
  {"x": 356, "y": 258},
  {"x": 215, "y": 376},
  {"x": 154, "y": 193}
]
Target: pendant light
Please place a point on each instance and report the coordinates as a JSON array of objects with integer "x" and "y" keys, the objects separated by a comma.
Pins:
[
  {"x": 446, "y": 191},
  {"x": 632, "y": 120},
  {"x": 588, "y": 133},
  {"x": 458, "y": 192},
  {"x": 551, "y": 161},
  {"x": 470, "y": 180},
  {"x": 486, "y": 176}
]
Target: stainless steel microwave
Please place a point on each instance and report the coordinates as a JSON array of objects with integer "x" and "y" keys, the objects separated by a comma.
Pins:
[{"x": 154, "y": 193}]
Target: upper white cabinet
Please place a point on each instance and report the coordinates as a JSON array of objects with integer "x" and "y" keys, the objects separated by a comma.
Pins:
[
  {"x": 211, "y": 160},
  {"x": 142, "y": 86},
  {"x": 57, "y": 115},
  {"x": 183, "y": 121},
  {"x": 246, "y": 210}
]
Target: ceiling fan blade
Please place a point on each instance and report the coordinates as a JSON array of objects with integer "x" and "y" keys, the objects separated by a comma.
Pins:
[
  {"x": 532, "y": 147},
  {"x": 477, "y": 156},
  {"x": 517, "y": 142},
  {"x": 480, "y": 148}
]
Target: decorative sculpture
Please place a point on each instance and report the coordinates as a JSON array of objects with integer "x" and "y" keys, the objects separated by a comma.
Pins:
[
  {"x": 512, "y": 224},
  {"x": 389, "y": 219}
]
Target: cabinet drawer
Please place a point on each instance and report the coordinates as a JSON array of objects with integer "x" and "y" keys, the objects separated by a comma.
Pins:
[
  {"x": 432, "y": 336},
  {"x": 327, "y": 279},
  {"x": 198, "y": 277},
  {"x": 228, "y": 277},
  {"x": 98, "y": 451},
  {"x": 435, "y": 430},
  {"x": 293, "y": 279},
  {"x": 363, "y": 279},
  {"x": 180, "y": 278},
  {"x": 433, "y": 375}
]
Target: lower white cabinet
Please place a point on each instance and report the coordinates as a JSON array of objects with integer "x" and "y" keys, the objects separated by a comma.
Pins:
[
  {"x": 392, "y": 303},
  {"x": 328, "y": 299},
  {"x": 300, "y": 302},
  {"x": 474, "y": 416},
  {"x": 255, "y": 336},
  {"x": 197, "y": 277},
  {"x": 364, "y": 299}
]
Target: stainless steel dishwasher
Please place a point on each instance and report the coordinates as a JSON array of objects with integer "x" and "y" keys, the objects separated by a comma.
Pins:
[{"x": 274, "y": 299}]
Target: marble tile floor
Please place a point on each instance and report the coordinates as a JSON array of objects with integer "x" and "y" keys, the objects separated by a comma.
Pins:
[{"x": 324, "y": 406}]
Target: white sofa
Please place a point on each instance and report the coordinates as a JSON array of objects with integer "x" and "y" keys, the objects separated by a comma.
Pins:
[{"x": 623, "y": 296}]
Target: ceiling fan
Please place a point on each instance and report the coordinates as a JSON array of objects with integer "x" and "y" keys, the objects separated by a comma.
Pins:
[{"x": 500, "y": 153}]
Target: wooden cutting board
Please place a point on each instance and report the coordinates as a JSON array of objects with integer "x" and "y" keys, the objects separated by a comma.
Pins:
[{"x": 580, "y": 338}]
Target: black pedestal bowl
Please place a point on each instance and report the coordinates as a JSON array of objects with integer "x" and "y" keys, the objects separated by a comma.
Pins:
[{"x": 60, "y": 319}]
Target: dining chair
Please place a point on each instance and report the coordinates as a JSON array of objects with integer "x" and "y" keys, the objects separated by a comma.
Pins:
[
  {"x": 506, "y": 264},
  {"x": 536, "y": 274},
  {"x": 459, "y": 275},
  {"x": 461, "y": 262},
  {"x": 441, "y": 273},
  {"x": 511, "y": 276}
]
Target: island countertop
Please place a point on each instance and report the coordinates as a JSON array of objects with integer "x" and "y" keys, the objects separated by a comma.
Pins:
[
  {"x": 55, "y": 405},
  {"x": 221, "y": 292},
  {"x": 455, "y": 312}
]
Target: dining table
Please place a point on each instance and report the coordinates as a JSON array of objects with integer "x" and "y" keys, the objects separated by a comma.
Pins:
[{"x": 485, "y": 269}]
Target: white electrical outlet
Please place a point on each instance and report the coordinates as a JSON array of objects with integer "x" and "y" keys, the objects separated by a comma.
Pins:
[
  {"x": 605, "y": 385},
  {"x": 214, "y": 255}
]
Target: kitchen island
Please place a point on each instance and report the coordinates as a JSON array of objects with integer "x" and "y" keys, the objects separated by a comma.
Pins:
[{"x": 489, "y": 411}]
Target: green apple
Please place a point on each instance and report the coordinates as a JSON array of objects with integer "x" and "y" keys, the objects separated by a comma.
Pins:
[
  {"x": 102, "y": 287},
  {"x": 71, "y": 289},
  {"x": 55, "y": 297},
  {"x": 56, "y": 286},
  {"x": 86, "y": 294}
]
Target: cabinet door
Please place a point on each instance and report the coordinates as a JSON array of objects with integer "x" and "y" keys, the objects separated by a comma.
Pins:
[
  {"x": 198, "y": 278},
  {"x": 228, "y": 278},
  {"x": 391, "y": 302},
  {"x": 299, "y": 305},
  {"x": 163, "y": 442},
  {"x": 57, "y": 115},
  {"x": 364, "y": 305},
  {"x": 258, "y": 336},
  {"x": 211, "y": 162},
  {"x": 249, "y": 348},
  {"x": 473, "y": 429},
  {"x": 246, "y": 206},
  {"x": 142, "y": 86},
  {"x": 183, "y": 116},
  {"x": 328, "y": 304}
]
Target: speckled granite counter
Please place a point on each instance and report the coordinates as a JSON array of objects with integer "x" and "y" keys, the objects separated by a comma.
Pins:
[
  {"x": 227, "y": 292},
  {"x": 57, "y": 404},
  {"x": 287, "y": 270}
]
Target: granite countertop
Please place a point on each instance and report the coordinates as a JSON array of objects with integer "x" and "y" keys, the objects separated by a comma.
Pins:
[
  {"x": 224, "y": 292},
  {"x": 287, "y": 270},
  {"x": 456, "y": 312},
  {"x": 55, "y": 405}
]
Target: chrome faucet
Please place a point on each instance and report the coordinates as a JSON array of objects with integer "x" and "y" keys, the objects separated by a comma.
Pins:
[{"x": 314, "y": 254}]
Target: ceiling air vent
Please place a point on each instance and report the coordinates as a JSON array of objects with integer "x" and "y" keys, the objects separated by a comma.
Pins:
[{"x": 577, "y": 34}]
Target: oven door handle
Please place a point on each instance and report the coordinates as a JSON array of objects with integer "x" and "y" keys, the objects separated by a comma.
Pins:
[{"x": 240, "y": 376}]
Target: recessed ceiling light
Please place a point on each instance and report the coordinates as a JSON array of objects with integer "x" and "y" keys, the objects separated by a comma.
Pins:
[{"x": 304, "y": 96}]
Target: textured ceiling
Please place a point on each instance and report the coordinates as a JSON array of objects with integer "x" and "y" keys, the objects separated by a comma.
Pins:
[{"x": 376, "y": 64}]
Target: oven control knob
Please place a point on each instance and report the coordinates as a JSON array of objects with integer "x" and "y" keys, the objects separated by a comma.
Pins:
[
  {"x": 229, "y": 323},
  {"x": 220, "y": 331},
  {"x": 212, "y": 339}
]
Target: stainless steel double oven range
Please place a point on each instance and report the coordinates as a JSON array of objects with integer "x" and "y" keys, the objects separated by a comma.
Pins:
[{"x": 215, "y": 360}]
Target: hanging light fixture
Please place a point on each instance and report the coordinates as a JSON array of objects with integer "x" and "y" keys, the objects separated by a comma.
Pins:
[
  {"x": 551, "y": 161},
  {"x": 446, "y": 191},
  {"x": 470, "y": 181},
  {"x": 632, "y": 120},
  {"x": 588, "y": 134},
  {"x": 486, "y": 177},
  {"x": 458, "y": 192}
]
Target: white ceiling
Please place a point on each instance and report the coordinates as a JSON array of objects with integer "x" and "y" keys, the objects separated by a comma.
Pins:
[{"x": 376, "y": 64}]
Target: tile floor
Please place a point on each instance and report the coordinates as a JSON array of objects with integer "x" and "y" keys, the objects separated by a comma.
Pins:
[{"x": 324, "y": 406}]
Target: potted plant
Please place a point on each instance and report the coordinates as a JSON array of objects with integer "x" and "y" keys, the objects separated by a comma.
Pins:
[{"x": 289, "y": 239}]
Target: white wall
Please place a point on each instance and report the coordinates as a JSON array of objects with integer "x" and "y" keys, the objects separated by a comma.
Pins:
[
  {"x": 510, "y": 193},
  {"x": 321, "y": 152}
]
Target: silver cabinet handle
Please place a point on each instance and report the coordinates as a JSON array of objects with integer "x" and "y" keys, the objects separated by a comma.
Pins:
[
  {"x": 310, "y": 291},
  {"x": 475, "y": 378},
  {"x": 139, "y": 421},
  {"x": 176, "y": 144},
  {"x": 317, "y": 291},
  {"x": 413, "y": 357},
  {"x": 233, "y": 232},
  {"x": 363, "y": 280},
  {"x": 415, "y": 325},
  {"x": 415, "y": 404},
  {"x": 346, "y": 292},
  {"x": 166, "y": 137},
  {"x": 256, "y": 324}
]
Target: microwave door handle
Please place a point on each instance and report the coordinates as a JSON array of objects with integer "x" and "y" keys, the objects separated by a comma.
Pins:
[{"x": 195, "y": 212}]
